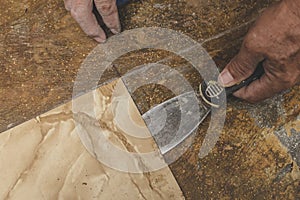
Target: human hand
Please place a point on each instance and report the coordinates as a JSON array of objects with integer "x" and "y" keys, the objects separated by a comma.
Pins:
[
  {"x": 274, "y": 39},
  {"x": 82, "y": 12}
]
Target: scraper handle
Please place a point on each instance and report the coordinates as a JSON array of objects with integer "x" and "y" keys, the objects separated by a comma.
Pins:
[
  {"x": 213, "y": 90},
  {"x": 259, "y": 71}
]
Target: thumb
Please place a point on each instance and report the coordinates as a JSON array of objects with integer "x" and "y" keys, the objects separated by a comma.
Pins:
[{"x": 239, "y": 68}]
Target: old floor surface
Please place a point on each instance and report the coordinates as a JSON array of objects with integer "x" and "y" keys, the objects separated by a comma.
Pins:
[{"x": 257, "y": 155}]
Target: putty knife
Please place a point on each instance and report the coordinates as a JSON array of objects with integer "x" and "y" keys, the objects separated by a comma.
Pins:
[{"x": 164, "y": 122}]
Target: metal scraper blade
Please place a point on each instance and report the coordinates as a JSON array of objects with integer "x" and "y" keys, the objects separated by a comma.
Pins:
[{"x": 171, "y": 122}]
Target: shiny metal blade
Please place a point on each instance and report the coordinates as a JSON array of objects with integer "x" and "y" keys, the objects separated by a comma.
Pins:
[{"x": 171, "y": 122}]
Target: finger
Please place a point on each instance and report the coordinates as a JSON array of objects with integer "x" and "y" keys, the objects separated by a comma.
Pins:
[
  {"x": 240, "y": 67},
  {"x": 81, "y": 11},
  {"x": 68, "y": 4},
  {"x": 272, "y": 82},
  {"x": 109, "y": 13}
]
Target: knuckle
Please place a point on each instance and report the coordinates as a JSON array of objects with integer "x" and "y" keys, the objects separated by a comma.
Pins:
[
  {"x": 284, "y": 77},
  {"x": 240, "y": 70},
  {"x": 248, "y": 44},
  {"x": 255, "y": 42},
  {"x": 250, "y": 40},
  {"x": 78, "y": 12},
  {"x": 278, "y": 80},
  {"x": 106, "y": 7}
]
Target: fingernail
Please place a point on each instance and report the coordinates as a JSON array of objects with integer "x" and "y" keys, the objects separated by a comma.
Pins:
[
  {"x": 115, "y": 31},
  {"x": 100, "y": 40},
  {"x": 225, "y": 78}
]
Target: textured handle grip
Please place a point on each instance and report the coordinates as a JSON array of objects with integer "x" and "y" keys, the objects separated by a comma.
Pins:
[{"x": 213, "y": 90}]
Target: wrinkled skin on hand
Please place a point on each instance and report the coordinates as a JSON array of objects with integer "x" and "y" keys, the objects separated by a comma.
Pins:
[
  {"x": 275, "y": 40},
  {"x": 81, "y": 11}
]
